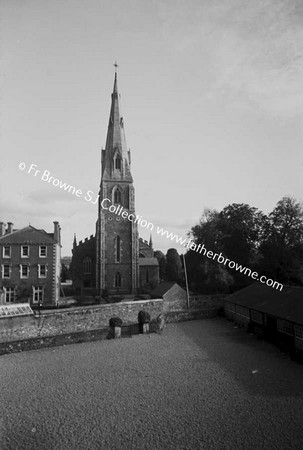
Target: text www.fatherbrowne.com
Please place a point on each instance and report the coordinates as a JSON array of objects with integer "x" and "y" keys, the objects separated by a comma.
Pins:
[
  {"x": 200, "y": 248},
  {"x": 125, "y": 214}
]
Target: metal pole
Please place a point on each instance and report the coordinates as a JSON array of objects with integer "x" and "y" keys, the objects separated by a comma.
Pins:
[{"x": 185, "y": 272}]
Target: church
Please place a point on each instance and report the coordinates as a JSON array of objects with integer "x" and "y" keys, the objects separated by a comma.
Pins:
[{"x": 115, "y": 260}]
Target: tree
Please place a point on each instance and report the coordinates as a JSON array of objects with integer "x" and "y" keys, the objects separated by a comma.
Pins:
[
  {"x": 236, "y": 232},
  {"x": 206, "y": 275},
  {"x": 207, "y": 231},
  {"x": 64, "y": 273},
  {"x": 162, "y": 263},
  {"x": 173, "y": 265},
  {"x": 282, "y": 247},
  {"x": 271, "y": 245},
  {"x": 286, "y": 222},
  {"x": 241, "y": 232}
]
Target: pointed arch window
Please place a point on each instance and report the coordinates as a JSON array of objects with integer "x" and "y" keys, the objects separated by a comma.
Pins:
[
  {"x": 118, "y": 249},
  {"x": 87, "y": 265},
  {"x": 118, "y": 162},
  {"x": 118, "y": 280},
  {"x": 117, "y": 195}
]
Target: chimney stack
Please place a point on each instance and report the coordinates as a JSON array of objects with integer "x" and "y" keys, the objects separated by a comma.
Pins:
[
  {"x": 9, "y": 227},
  {"x": 2, "y": 229},
  {"x": 57, "y": 233}
]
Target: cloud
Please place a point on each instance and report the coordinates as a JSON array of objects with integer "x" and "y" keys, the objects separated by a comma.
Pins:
[
  {"x": 260, "y": 58},
  {"x": 44, "y": 204},
  {"x": 51, "y": 195},
  {"x": 252, "y": 51}
]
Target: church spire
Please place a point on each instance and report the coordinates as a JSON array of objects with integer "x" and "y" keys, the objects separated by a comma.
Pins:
[
  {"x": 116, "y": 157},
  {"x": 75, "y": 241},
  {"x": 117, "y": 241}
]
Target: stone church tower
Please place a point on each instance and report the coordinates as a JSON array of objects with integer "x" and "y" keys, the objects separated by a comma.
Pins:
[{"x": 117, "y": 244}]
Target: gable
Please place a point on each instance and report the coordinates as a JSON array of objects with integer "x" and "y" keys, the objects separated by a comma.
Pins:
[
  {"x": 148, "y": 262},
  {"x": 177, "y": 290},
  {"x": 175, "y": 293},
  {"x": 161, "y": 290}
]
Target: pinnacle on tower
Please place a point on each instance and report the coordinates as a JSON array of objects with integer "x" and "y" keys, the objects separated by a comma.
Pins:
[{"x": 75, "y": 241}]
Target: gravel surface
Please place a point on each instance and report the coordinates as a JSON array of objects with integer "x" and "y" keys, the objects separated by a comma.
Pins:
[{"x": 200, "y": 385}]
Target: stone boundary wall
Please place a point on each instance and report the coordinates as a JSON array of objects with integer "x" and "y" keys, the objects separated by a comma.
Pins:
[
  {"x": 177, "y": 301},
  {"x": 182, "y": 316},
  {"x": 89, "y": 323},
  {"x": 53, "y": 341},
  {"x": 56, "y": 322},
  {"x": 211, "y": 301}
]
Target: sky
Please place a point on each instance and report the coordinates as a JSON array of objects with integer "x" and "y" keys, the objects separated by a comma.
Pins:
[{"x": 211, "y": 94}]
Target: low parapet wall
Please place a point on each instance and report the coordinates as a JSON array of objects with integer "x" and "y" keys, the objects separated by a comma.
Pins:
[
  {"x": 178, "y": 302},
  {"x": 56, "y": 322},
  {"x": 64, "y": 326}
]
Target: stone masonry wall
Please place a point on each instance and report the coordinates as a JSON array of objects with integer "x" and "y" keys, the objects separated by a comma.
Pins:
[
  {"x": 88, "y": 323},
  {"x": 177, "y": 301},
  {"x": 206, "y": 301},
  {"x": 88, "y": 318}
]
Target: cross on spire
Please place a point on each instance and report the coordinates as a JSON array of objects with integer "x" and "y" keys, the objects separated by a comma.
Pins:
[{"x": 116, "y": 65}]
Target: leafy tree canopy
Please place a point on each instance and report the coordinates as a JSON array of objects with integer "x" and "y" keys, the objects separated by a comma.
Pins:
[
  {"x": 173, "y": 265},
  {"x": 162, "y": 263},
  {"x": 271, "y": 245}
]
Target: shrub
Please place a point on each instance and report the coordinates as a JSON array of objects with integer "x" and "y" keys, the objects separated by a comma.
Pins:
[
  {"x": 115, "y": 322},
  {"x": 142, "y": 297},
  {"x": 115, "y": 299},
  {"x": 143, "y": 317},
  {"x": 104, "y": 294}
]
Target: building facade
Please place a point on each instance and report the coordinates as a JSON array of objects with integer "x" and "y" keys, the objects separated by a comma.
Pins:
[
  {"x": 83, "y": 265},
  {"x": 30, "y": 265},
  {"x": 148, "y": 266},
  {"x": 110, "y": 260}
]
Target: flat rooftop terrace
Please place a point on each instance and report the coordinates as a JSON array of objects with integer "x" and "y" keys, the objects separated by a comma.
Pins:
[{"x": 200, "y": 385}]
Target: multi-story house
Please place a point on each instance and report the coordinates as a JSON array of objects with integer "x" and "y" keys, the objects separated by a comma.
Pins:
[{"x": 29, "y": 265}]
